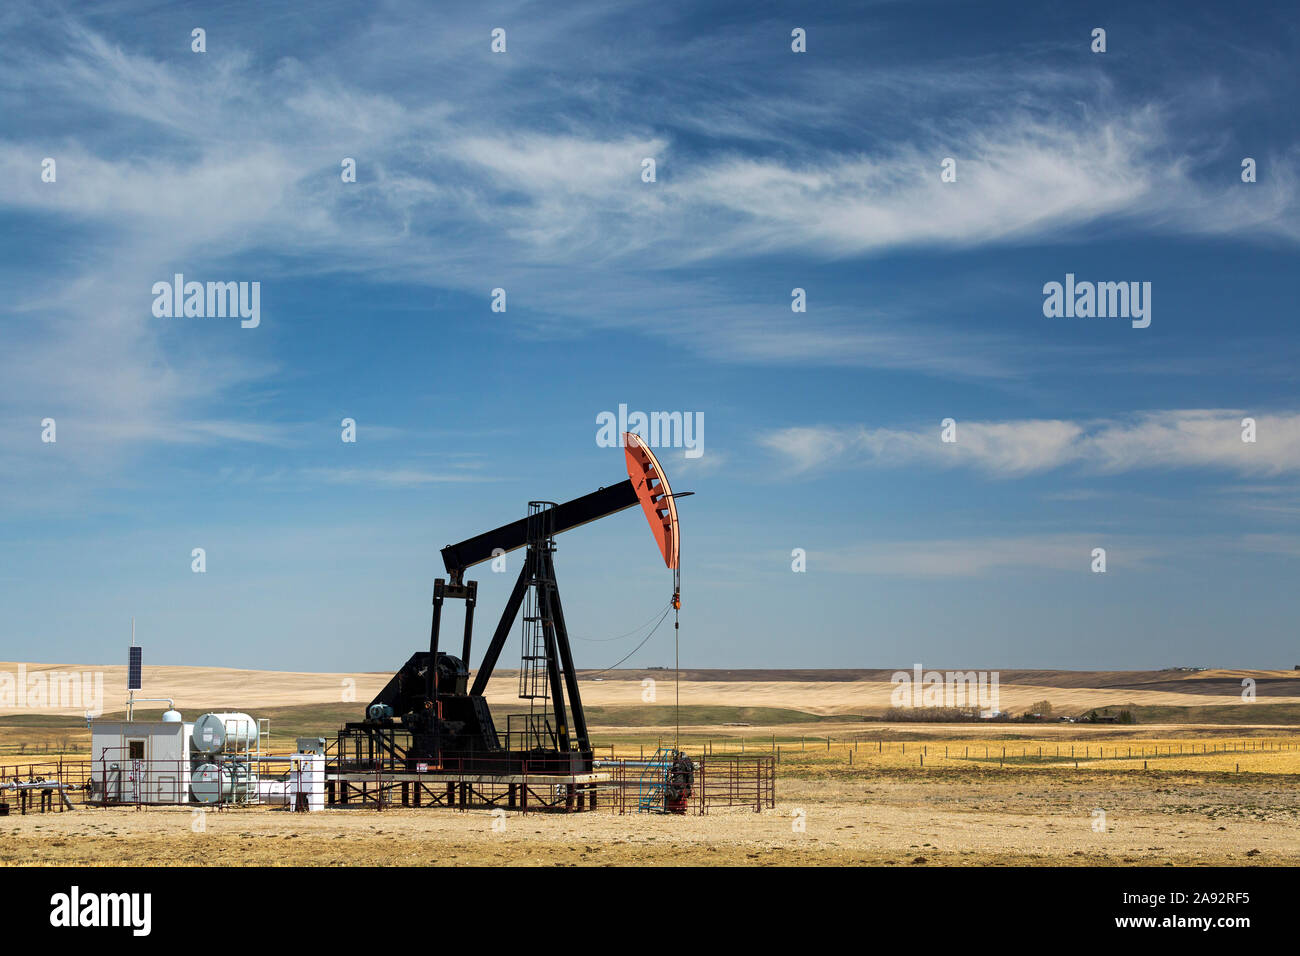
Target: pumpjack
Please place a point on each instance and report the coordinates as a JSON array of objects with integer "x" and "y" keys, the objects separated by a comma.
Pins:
[{"x": 430, "y": 717}]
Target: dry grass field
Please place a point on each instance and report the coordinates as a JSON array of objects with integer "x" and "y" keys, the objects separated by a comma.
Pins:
[
  {"x": 1203, "y": 778},
  {"x": 818, "y": 692},
  {"x": 885, "y": 811}
]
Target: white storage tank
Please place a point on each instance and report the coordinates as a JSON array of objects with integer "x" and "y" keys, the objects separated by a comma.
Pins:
[
  {"x": 212, "y": 784},
  {"x": 206, "y": 784},
  {"x": 273, "y": 792},
  {"x": 224, "y": 733}
]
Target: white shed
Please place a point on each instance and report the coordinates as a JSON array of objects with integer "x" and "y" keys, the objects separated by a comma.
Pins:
[{"x": 141, "y": 761}]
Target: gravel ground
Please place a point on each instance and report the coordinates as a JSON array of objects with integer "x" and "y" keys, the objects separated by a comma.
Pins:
[{"x": 1041, "y": 818}]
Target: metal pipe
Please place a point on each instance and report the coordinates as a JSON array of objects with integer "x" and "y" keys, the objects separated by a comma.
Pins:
[
  {"x": 130, "y": 709},
  {"x": 37, "y": 784}
]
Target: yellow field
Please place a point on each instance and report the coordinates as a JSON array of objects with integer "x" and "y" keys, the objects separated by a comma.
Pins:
[
  {"x": 216, "y": 688},
  {"x": 1268, "y": 754},
  {"x": 849, "y": 791},
  {"x": 910, "y": 802}
]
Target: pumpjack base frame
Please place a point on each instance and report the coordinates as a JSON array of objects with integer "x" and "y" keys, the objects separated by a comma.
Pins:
[
  {"x": 369, "y": 748},
  {"x": 435, "y": 777},
  {"x": 573, "y": 792}
]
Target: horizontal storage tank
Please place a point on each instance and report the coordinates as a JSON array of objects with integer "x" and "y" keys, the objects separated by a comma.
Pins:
[
  {"x": 273, "y": 792},
  {"x": 224, "y": 733},
  {"x": 207, "y": 784},
  {"x": 212, "y": 784}
]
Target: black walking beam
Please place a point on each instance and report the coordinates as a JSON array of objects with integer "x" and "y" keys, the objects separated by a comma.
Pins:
[{"x": 509, "y": 537}]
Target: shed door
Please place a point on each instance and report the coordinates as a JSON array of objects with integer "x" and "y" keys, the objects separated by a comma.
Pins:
[
  {"x": 136, "y": 770},
  {"x": 166, "y": 789}
]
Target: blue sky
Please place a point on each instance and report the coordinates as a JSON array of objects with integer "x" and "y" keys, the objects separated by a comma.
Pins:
[{"x": 774, "y": 171}]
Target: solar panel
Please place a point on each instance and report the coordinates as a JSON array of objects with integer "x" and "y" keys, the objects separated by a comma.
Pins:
[{"x": 134, "y": 665}]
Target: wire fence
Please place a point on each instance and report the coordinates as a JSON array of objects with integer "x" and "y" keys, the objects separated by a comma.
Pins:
[{"x": 615, "y": 784}]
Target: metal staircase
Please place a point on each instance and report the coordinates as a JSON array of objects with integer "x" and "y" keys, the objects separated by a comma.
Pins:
[
  {"x": 652, "y": 784},
  {"x": 534, "y": 676}
]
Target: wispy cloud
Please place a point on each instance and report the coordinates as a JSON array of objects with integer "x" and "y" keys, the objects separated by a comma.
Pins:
[
  {"x": 1189, "y": 438},
  {"x": 242, "y": 168},
  {"x": 992, "y": 555},
  {"x": 388, "y": 477},
  {"x": 980, "y": 556}
]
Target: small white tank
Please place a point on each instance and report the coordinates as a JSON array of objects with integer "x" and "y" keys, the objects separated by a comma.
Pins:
[
  {"x": 212, "y": 784},
  {"x": 207, "y": 784},
  {"x": 224, "y": 733},
  {"x": 274, "y": 792},
  {"x": 172, "y": 717}
]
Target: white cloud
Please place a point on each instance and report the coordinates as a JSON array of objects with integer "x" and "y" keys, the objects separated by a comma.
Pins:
[
  {"x": 1189, "y": 438},
  {"x": 242, "y": 163}
]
